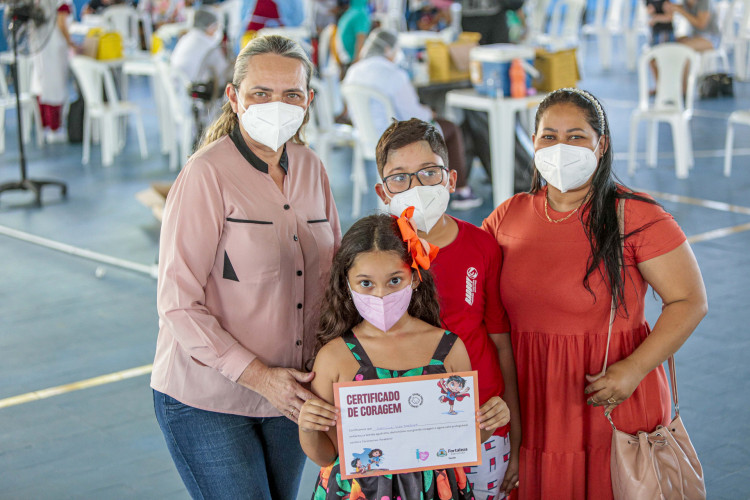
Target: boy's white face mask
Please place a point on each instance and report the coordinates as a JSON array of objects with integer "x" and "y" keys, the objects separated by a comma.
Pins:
[
  {"x": 271, "y": 123},
  {"x": 429, "y": 202},
  {"x": 566, "y": 167}
]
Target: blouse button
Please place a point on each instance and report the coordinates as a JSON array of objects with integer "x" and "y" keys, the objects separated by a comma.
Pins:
[
  {"x": 299, "y": 273},
  {"x": 299, "y": 342},
  {"x": 286, "y": 207},
  {"x": 299, "y": 306},
  {"x": 296, "y": 238}
]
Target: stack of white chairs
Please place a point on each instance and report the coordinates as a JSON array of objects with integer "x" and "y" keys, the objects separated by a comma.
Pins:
[
  {"x": 177, "y": 125},
  {"x": 323, "y": 131},
  {"x": 668, "y": 106},
  {"x": 360, "y": 101},
  {"x": 617, "y": 18},
  {"x": 6, "y": 102},
  {"x": 741, "y": 30},
  {"x": 564, "y": 28},
  {"x": 109, "y": 117},
  {"x": 740, "y": 117},
  {"x": 124, "y": 20},
  {"x": 30, "y": 115}
]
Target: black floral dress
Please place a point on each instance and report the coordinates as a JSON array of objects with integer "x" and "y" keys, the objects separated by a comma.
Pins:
[{"x": 442, "y": 484}]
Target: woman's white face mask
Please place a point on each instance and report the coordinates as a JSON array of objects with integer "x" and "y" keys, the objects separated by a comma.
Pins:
[
  {"x": 271, "y": 123},
  {"x": 566, "y": 167}
]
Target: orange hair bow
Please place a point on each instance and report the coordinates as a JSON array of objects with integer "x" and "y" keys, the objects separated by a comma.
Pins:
[{"x": 422, "y": 252}]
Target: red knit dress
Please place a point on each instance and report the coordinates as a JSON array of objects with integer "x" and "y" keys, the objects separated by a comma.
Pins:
[{"x": 559, "y": 334}]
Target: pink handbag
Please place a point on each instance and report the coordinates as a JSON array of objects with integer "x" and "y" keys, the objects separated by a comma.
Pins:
[{"x": 661, "y": 464}]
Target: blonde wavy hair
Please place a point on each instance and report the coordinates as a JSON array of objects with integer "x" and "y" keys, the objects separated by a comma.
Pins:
[{"x": 269, "y": 44}]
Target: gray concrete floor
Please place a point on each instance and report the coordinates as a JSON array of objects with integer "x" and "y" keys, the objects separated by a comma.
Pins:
[{"x": 61, "y": 324}]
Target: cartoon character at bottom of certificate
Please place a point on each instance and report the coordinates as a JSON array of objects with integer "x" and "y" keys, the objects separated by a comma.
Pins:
[
  {"x": 370, "y": 459},
  {"x": 451, "y": 391}
]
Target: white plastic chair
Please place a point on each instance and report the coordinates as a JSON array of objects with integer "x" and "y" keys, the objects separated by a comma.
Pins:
[
  {"x": 616, "y": 19},
  {"x": 324, "y": 132},
  {"x": 668, "y": 105},
  {"x": 535, "y": 12},
  {"x": 564, "y": 28},
  {"x": 95, "y": 80},
  {"x": 29, "y": 106},
  {"x": 180, "y": 125},
  {"x": 359, "y": 101},
  {"x": 739, "y": 38},
  {"x": 124, "y": 20},
  {"x": 6, "y": 102},
  {"x": 736, "y": 118}
]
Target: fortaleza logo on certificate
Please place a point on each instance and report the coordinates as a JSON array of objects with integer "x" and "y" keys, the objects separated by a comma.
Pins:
[{"x": 391, "y": 426}]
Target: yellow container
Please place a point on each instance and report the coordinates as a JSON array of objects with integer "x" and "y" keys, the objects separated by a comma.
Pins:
[
  {"x": 450, "y": 62},
  {"x": 156, "y": 44},
  {"x": 110, "y": 46},
  {"x": 558, "y": 69},
  {"x": 249, "y": 35}
]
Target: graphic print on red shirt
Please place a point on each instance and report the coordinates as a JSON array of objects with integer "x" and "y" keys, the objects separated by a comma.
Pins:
[{"x": 467, "y": 276}]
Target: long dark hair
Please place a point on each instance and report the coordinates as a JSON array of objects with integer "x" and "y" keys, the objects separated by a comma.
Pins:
[
  {"x": 600, "y": 225},
  {"x": 374, "y": 232}
]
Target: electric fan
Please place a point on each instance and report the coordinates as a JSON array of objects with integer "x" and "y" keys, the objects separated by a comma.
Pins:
[{"x": 28, "y": 25}]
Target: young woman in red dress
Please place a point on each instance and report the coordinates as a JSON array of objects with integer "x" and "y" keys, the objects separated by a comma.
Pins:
[{"x": 562, "y": 247}]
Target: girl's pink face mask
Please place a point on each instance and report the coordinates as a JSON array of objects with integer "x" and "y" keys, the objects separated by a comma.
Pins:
[{"x": 382, "y": 312}]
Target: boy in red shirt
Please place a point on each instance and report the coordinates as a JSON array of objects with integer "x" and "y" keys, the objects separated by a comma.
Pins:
[{"x": 412, "y": 161}]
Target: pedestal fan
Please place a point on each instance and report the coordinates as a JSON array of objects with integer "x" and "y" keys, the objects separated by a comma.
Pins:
[{"x": 29, "y": 24}]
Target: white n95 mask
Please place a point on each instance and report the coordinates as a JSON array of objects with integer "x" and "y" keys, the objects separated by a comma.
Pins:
[
  {"x": 564, "y": 166},
  {"x": 271, "y": 123},
  {"x": 429, "y": 202}
]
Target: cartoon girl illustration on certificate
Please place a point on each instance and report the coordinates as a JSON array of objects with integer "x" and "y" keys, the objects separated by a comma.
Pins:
[
  {"x": 451, "y": 389},
  {"x": 375, "y": 456}
]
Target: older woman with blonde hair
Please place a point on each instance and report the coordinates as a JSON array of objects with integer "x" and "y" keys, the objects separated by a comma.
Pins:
[{"x": 248, "y": 235}]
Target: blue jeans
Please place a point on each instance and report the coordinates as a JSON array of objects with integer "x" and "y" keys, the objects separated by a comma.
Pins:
[{"x": 222, "y": 456}]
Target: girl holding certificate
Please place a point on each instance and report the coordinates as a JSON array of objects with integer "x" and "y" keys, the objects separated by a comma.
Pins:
[{"x": 380, "y": 319}]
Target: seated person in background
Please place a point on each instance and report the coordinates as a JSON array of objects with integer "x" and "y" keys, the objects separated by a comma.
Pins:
[
  {"x": 662, "y": 30},
  {"x": 704, "y": 30},
  {"x": 377, "y": 69},
  {"x": 352, "y": 30},
  {"x": 430, "y": 15},
  {"x": 198, "y": 52},
  {"x": 96, "y": 7}
]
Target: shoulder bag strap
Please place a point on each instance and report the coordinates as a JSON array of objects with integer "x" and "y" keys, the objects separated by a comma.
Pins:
[{"x": 672, "y": 369}]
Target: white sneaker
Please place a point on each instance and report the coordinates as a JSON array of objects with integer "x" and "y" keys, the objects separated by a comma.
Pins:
[{"x": 57, "y": 136}]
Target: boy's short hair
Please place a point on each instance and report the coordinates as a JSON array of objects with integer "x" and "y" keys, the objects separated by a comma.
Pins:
[{"x": 403, "y": 133}]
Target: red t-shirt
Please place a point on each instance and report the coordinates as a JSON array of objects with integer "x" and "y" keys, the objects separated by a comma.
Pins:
[{"x": 467, "y": 276}]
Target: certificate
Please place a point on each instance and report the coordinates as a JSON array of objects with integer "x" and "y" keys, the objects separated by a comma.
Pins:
[{"x": 397, "y": 425}]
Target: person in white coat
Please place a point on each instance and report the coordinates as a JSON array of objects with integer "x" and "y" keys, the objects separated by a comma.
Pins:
[
  {"x": 377, "y": 68},
  {"x": 198, "y": 52},
  {"x": 49, "y": 76}
]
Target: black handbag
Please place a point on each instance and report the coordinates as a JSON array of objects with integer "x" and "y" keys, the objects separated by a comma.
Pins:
[
  {"x": 715, "y": 85},
  {"x": 75, "y": 120}
]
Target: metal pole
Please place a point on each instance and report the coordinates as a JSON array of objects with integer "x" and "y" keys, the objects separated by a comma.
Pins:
[{"x": 151, "y": 271}]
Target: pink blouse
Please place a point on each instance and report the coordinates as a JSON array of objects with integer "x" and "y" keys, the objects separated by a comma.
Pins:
[{"x": 242, "y": 269}]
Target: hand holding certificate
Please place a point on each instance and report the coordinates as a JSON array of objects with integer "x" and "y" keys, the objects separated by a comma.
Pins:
[{"x": 398, "y": 425}]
